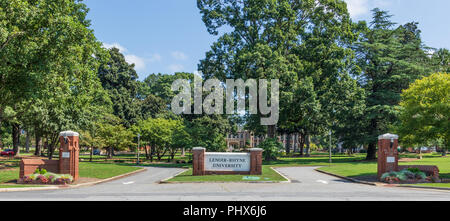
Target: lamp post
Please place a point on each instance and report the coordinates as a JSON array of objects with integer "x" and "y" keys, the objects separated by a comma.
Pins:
[{"x": 138, "y": 148}]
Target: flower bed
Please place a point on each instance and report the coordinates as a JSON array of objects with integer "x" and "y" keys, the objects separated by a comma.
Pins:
[
  {"x": 407, "y": 176},
  {"x": 44, "y": 177}
]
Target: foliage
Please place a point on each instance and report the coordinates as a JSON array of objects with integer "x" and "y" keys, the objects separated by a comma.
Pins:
[
  {"x": 120, "y": 80},
  {"x": 48, "y": 75},
  {"x": 271, "y": 149},
  {"x": 389, "y": 59},
  {"x": 114, "y": 136},
  {"x": 48, "y": 178},
  {"x": 404, "y": 175},
  {"x": 425, "y": 111},
  {"x": 158, "y": 133},
  {"x": 209, "y": 132}
]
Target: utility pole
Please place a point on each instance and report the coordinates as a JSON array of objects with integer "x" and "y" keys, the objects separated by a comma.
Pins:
[{"x": 138, "y": 148}]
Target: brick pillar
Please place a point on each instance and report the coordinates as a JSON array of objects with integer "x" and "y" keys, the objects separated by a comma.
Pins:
[
  {"x": 198, "y": 161},
  {"x": 256, "y": 161},
  {"x": 69, "y": 153},
  {"x": 387, "y": 154}
]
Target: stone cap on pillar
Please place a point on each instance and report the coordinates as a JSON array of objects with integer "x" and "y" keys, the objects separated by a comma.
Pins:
[
  {"x": 256, "y": 149},
  {"x": 198, "y": 148},
  {"x": 388, "y": 137},
  {"x": 69, "y": 134}
]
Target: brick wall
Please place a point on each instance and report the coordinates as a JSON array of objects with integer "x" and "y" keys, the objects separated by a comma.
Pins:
[{"x": 28, "y": 166}]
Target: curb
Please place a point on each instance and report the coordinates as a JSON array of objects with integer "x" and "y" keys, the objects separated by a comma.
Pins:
[
  {"x": 165, "y": 181},
  {"x": 381, "y": 184},
  {"x": 24, "y": 189},
  {"x": 71, "y": 186},
  {"x": 285, "y": 177},
  {"x": 425, "y": 187},
  {"x": 349, "y": 179}
]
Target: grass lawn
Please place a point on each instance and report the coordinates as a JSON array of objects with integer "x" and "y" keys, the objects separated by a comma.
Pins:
[
  {"x": 104, "y": 170},
  {"x": 442, "y": 185},
  {"x": 89, "y": 170},
  {"x": 268, "y": 175},
  {"x": 9, "y": 175},
  {"x": 357, "y": 169}
]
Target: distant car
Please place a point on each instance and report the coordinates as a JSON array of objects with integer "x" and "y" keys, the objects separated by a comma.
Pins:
[
  {"x": 96, "y": 152},
  {"x": 7, "y": 152}
]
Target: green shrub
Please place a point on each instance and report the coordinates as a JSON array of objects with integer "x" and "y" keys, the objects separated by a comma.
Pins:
[
  {"x": 414, "y": 170},
  {"x": 40, "y": 171},
  {"x": 271, "y": 149}
]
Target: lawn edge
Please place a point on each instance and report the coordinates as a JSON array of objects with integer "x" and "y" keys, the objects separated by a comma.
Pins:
[
  {"x": 424, "y": 187},
  {"x": 380, "y": 184},
  {"x": 348, "y": 178},
  {"x": 282, "y": 175},
  {"x": 24, "y": 189}
]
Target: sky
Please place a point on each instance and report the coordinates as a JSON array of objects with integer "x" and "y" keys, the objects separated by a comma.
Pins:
[{"x": 168, "y": 36}]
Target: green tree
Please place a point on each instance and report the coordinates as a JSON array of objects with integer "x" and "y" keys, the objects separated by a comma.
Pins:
[
  {"x": 441, "y": 60},
  {"x": 209, "y": 132},
  {"x": 304, "y": 44},
  {"x": 180, "y": 139},
  {"x": 120, "y": 80},
  {"x": 114, "y": 136},
  {"x": 158, "y": 133},
  {"x": 390, "y": 59},
  {"x": 425, "y": 112}
]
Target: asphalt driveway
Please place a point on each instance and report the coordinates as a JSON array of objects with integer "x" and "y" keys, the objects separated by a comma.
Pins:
[{"x": 307, "y": 184}]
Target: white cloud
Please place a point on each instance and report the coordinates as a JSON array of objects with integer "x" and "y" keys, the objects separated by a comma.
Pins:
[
  {"x": 176, "y": 68},
  {"x": 178, "y": 55},
  {"x": 115, "y": 45},
  {"x": 357, "y": 8},
  {"x": 139, "y": 63},
  {"x": 155, "y": 58}
]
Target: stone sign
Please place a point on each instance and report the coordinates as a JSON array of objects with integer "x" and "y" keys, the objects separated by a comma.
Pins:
[{"x": 226, "y": 163}]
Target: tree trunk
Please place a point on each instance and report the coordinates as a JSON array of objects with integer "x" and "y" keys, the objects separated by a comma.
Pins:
[
  {"x": 152, "y": 152},
  {"x": 16, "y": 138},
  {"x": 372, "y": 151},
  {"x": 52, "y": 146},
  {"x": 308, "y": 142},
  {"x": 271, "y": 131},
  {"x": 37, "y": 151},
  {"x": 91, "y": 154},
  {"x": 146, "y": 152},
  {"x": 302, "y": 144},
  {"x": 288, "y": 144},
  {"x": 183, "y": 152},
  {"x": 110, "y": 152},
  {"x": 27, "y": 142},
  {"x": 295, "y": 143}
]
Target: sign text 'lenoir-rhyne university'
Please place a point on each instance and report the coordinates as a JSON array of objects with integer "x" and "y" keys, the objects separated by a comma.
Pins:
[
  {"x": 227, "y": 161},
  {"x": 235, "y": 91}
]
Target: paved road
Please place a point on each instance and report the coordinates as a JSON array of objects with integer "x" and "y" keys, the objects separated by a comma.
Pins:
[{"x": 307, "y": 185}]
